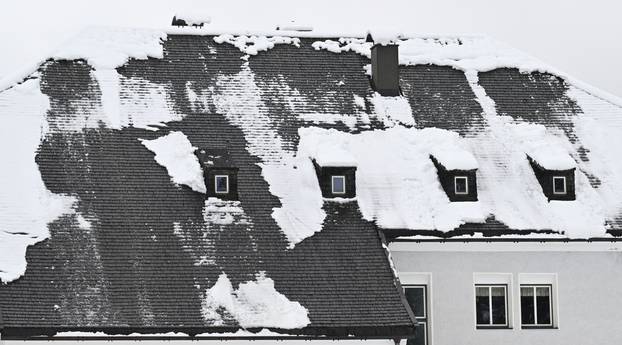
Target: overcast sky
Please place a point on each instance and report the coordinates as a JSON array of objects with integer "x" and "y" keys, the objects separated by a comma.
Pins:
[{"x": 581, "y": 38}]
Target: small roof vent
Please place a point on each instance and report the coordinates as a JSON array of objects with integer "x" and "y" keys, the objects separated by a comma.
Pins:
[
  {"x": 294, "y": 26},
  {"x": 191, "y": 19}
]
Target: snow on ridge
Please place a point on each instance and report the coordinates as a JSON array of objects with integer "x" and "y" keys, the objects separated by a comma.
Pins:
[
  {"x": 253, "y": 304},
  {"x": 175, "y": 152},
  {"x": 252, "y": 45},
  {"x": 26, "y": 205},
  {"x": 109, "y": 48},
  {"x": 194, "y": 17}
]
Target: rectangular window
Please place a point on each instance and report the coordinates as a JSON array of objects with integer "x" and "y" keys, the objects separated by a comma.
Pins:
[
  {"x": 461, "y": 185},
  {"x": 491, "y": 305},
  {"x": 221, "y": 184},
  {"x": 338, "y": 185},
  {"x": 559, "y": 185},
  {"x": 536, "y": 307},
  {"x": 416, "y": 295}
]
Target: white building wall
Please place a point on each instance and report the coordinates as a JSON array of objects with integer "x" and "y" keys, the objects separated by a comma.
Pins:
[{"x": 588, "y": 285}]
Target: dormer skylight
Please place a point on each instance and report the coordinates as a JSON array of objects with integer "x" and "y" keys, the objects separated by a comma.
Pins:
[
  {"x": 221, "y": 176},
  {"x": 336, "y": 181},
  {"x": 555, "y": 175},
  {"x": 457, "y": 173}
]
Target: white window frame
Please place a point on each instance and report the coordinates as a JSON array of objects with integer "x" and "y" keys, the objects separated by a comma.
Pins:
[
  {"x": 466, "y": 184},
  {"x": 332, "y": 184},
  {"x": 535, "y": 305},
  {"x": 565, "y": 185},
  {"x": 216, "y": 177},
  {"x": 507, "y": 309},
  {"x": 425, "y": 319}
]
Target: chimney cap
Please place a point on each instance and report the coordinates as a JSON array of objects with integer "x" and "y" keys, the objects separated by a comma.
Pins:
[
  {"x": 384, "y": 36},
  {"x": 292, "y": 25},
  {"x": 191, "y": 19}
]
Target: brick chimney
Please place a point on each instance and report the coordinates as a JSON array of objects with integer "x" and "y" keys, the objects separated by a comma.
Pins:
[{"x": 385, "y": 73}]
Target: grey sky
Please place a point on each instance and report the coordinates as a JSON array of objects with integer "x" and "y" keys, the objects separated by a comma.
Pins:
[{"x": 578, "y": 37}]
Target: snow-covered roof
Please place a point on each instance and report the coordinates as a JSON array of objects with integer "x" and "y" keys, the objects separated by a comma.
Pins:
[{"x": 107, "y": 122}]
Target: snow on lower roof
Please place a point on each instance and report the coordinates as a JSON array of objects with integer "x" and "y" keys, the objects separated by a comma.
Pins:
[
  {"x": 175, "y": 152},
  {"x": 254, "y": 304},
  {"x": 26, "y": 205}
]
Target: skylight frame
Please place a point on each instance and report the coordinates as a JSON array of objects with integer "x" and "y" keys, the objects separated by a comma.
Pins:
[
  {"x": 332, "y": 184},
  {"x": 216, "y": 177},
  {"x": 466, "y": 185},
  {"x": 555, "y": 192}
]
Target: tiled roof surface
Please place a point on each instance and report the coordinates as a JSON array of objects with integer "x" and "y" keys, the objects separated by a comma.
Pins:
[{"x": 148, "y": 258}]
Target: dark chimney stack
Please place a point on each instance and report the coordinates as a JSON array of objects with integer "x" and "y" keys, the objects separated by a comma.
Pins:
[{"x": 385, "y": 73}]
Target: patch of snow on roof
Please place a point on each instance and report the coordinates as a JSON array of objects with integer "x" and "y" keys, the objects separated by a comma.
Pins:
[
  {"x": 396, "y": 181},
  {"x": 385, "y": 36},
  {"x": 26, "y": 205},
  {"x": 223, "y": 212},
  {"x": 175, "y": 152},
  {"x": 455, "y": 158},
  {"x": 252, "y": 45},
  {"x": 598, "y": 130},
  {"x": 507, "y": 185},
  {"x": 254, "y": 304},
  {"x": 548, "y": 151},
  {"x": 109, "y": 48},
  {"x": 393, "y": 110},
  {"x": 144, "y": 104},
  {"x": 194, "y": 17},
  {"x": 291, "y": 178}
]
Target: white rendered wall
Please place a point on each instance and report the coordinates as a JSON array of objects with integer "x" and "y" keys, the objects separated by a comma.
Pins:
[{"x": 588, "y": 284}]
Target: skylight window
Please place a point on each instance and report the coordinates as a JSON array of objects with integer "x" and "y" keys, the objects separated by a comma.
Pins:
[
  {"x": 461, "y": 185},
  {"x": 221, "y": 184},
  {"x": 338, "y": 185},
  {"x": 559, "y": 185}
]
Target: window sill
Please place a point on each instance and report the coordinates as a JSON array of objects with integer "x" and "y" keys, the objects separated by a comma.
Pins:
[
  {"x": 538, "y": 327},
  {"x": 493, "y": 327}
]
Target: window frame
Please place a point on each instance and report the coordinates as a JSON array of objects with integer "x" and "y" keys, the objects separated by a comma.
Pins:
[
  {"x": 555, "y": 192},
  {"x": 466, "y": 185},
  {"x": 216, "y": 177},
  {"x": 425, "y": 318},
  {"x": 332, "y": 184},
  {"x": 535, "y": 306},
  {"x": 490, "y": 325}
]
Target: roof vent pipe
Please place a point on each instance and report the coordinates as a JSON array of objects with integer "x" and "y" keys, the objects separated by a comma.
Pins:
[{"x": 385, "y": 72}]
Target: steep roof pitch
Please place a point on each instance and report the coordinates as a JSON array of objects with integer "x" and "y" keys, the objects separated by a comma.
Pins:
[
  {"x": 138, "y": 253},
  {"x": 131, "y": 249}
]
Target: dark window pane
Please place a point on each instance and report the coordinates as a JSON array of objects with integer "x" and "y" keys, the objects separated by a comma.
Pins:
[
  {"x": 543, "y": 303},
  {"x": 498, "y": 305},
  {"x": 482, "y": 306},
  {"x": 339, "y": 184},
  {"x": 420, "y": 335},
  {"x": 559, "y": 184},
  {"x": 527, "y": 306},
  {"x": 461, "y": 185},
  {"x": 221, "y": 184},
  {"x": 416, "y": 299}
]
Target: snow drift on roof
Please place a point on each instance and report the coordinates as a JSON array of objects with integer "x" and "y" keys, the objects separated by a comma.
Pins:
[
  {"x": 175, "y": 152},
  {"x": 252, "y": 45},
  {"x": 254, "y": 304},
  {"x": 26, "y": 205},
  {"x": 396, "y": 182},
  {"x": 109, "y": 48}
]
